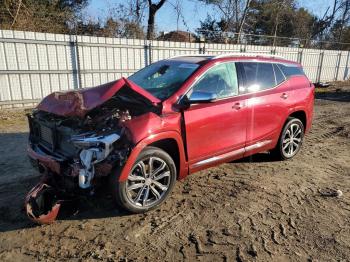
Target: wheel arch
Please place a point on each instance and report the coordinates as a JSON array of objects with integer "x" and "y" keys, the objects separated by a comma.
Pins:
[
  {"x": 299, "y": 114},
  {"x": 277, "y": 150},
  {"x": 170, "y": 146},
  {"x": 170, "y": 141}
]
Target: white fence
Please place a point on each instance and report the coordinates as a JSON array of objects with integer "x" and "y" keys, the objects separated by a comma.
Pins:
[{"x": 32, "y": 65}]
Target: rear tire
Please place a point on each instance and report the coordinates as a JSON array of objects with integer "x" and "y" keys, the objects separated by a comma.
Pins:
[
  {"x": 290, "y": 140},
  {"x": 149, "y": 183}
]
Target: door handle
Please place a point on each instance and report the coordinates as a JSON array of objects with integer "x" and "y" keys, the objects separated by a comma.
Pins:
[
  {"x": 237, "y": 106},
  {"x": 284, "y": 96}
]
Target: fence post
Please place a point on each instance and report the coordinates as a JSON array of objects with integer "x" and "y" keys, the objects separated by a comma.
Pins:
[
  {"x": 75, "y": 61},
  {"x": 145, "y": 50},
  {"x": 319, "y": 67},
  {"x": 337, "y": 67},
  {"x": 201, "y": 49},
  {"x": 300, "y": 56},
  {"x": 346, "y": 67},
  {"x": 150, "y": 53}
]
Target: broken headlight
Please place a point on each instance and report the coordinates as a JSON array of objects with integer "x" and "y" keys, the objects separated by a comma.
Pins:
[{"x": 94, "y": 150}]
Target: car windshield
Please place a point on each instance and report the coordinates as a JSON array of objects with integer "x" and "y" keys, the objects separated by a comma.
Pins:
[{"x": 163, "y": 78}]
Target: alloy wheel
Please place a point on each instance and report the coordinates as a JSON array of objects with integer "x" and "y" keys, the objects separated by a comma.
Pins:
[
  {"x": 148, "y": 182},
  {"x": 292, "y": 140}
]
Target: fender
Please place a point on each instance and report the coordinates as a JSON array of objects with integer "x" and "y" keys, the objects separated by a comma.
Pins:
[
  {"x": 308, "y": 113},
  {"x": 183, "y": 168},
  {"x": 306, "y": 105},
  {"x": 291, "y": 111}
]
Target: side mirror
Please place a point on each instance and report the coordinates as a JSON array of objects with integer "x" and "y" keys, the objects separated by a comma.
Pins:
[
  {"x": 201, "y": 97},
  {"x": 195, "y": 98}
]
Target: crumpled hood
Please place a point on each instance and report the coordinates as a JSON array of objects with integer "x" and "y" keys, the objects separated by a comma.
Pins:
[{"x": 80, "y": 102}]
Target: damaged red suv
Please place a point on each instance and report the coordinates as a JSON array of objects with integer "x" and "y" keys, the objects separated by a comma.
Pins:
[{"x": 168, "y": 120}]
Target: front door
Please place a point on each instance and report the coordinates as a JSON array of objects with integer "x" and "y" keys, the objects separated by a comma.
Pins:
[{"x": 218, "y": 127}]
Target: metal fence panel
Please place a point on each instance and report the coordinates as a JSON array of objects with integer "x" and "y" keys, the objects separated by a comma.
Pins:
[{"x": 32, "y": 65}]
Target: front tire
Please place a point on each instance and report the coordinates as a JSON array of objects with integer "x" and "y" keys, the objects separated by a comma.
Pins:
[
  {"x": 149, "y": 183},
  {"x": 290, "y": 140}
]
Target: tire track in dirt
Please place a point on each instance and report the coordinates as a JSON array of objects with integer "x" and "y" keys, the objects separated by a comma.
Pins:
[{"x": 251, "y": 209}]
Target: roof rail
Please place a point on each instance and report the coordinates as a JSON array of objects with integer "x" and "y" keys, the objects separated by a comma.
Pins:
[
  {"x": 199, "y": 55},
  {"x": 249, "y": 55},
  {"x": 256, "y": 54}
]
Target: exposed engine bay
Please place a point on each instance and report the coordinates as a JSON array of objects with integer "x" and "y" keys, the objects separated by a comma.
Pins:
[{"x": 73, "y": 151}]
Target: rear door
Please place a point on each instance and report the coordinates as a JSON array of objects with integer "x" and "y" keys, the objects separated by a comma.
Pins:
[
  {"x": 267, "y": 96},
  {"x": 220, "y": 126}
]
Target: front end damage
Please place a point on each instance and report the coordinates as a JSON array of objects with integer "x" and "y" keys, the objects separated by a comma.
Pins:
[
  {"x": 42, "y": 204},
  {"x": 77, "y": 139}
]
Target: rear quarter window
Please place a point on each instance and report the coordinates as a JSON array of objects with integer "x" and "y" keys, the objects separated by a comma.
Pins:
[{"x": 292, "y": 70}]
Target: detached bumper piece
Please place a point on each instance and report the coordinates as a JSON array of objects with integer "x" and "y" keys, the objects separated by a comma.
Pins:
[{"x": 42, "y": 204}]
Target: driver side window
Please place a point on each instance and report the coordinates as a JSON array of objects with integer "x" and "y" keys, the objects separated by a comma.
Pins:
[{"x": 221, "y": 80}]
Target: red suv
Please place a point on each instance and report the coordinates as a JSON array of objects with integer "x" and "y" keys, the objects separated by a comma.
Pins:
[{"x": 166, "y": 121}]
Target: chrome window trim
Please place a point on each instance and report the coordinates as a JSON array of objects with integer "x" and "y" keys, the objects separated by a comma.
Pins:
[
  {"x": 285, "y": 77},
  {"x": 257, "y": 92},
  {"x": 276, "y": 86},
  {"x": 242, "y": 61},
  {"x": 274, "y": 71}
]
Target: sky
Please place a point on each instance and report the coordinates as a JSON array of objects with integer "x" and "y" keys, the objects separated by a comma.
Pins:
[{"x": 193, "y": 12}]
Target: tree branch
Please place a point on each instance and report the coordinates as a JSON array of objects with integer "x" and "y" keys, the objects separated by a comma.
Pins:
[
  {"x": 159, "y": 5},
  {"x": 245, "y": 12},
  {"x": 8, "y": 9},
  {"x": 15, "y": 18}
]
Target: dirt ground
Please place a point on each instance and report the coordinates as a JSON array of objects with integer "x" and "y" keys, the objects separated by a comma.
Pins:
[{"x": 254, "y": 209}]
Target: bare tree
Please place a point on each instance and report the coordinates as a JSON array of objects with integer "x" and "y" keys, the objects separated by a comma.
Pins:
[
  {"x": 345, "y": 17},
  {"x": 233, "y": 12},
  {"x": 136, "y": 10},
  {"x": 41, "y": 16},
  {"x": 280, "y": 8},
  {"x": 152, "y": 10},
  {"x": 241, "y": 24},
  {"x": 17, "y": 11},
  {"x": 125, "y": 19},
  {"x": 178, "y": 9},
  {"x": 177, "y": 5},
  {"x": 324, "y": 23}
]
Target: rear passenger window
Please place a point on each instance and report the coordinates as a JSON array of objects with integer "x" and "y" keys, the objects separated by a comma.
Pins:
[
  {"x": 279, "y": 76},
  {"x": 259, "y": 76},
  {"x": 291, "y": 70}
]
